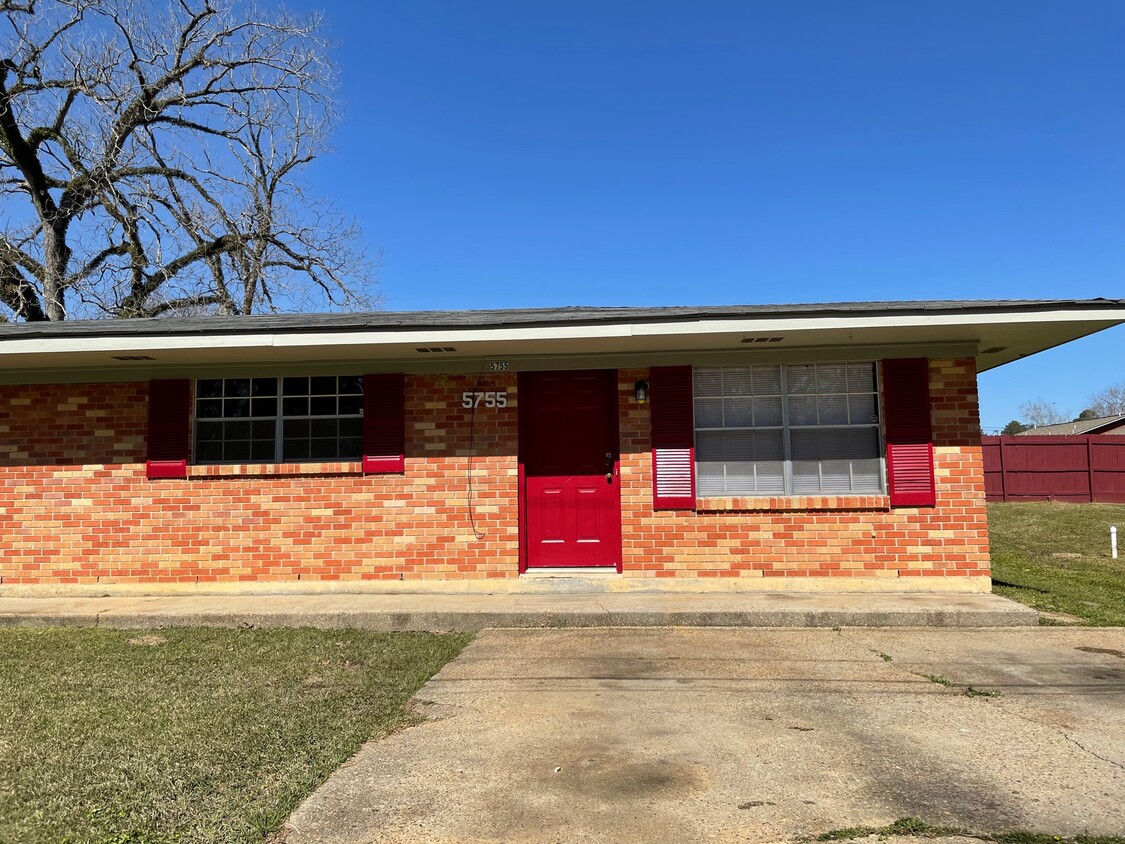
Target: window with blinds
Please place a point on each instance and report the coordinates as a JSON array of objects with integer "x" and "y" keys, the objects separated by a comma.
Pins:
[{"x": 796, "y": 429}]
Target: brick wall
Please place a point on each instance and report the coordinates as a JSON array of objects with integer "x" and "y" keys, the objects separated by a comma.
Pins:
[
  {"x": 818, "y": 536},
  {"x": 76, "y": 507}
]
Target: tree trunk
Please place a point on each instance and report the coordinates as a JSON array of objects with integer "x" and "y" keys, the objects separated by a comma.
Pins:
[{"x": 56, "y": 257}]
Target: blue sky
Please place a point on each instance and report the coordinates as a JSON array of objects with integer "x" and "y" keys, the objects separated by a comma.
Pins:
[{"x": 521, "y": 154}]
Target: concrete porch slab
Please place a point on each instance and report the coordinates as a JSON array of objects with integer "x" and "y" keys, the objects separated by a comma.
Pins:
[{"x": 478, "y": 612}]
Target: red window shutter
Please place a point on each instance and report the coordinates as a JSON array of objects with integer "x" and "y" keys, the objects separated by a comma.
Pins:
[
  {"x": 384, "y": 423},
  {"x": 910, "y": 448},
  {"x": 169, "y": 422},
  {"x": 673, "y": 438}
]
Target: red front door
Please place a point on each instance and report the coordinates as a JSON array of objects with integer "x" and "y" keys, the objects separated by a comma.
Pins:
[{"x": 571, "y": 484}]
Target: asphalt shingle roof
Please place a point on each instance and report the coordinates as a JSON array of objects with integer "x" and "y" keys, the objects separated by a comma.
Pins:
[
  {"x": 1079, "y": 426},
  {"x": 421, "y": 320}
]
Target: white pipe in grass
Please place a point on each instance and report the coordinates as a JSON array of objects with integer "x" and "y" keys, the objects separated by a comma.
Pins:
[{"x": 1113, "y": 542}]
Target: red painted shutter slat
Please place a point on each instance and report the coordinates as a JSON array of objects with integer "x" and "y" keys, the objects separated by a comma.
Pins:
[
  {"x": 384, "y": 423},
  {"x": 910, "y": 449},
  {"x": 673, "y": 439},
  {"x": 169, "y": 435}
]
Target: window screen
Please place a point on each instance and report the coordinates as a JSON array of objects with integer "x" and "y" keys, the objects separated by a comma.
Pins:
[{"x": 794, "y": 429}]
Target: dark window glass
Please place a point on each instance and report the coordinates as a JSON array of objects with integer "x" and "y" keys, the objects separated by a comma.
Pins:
[
  {"x": 323, "y": 385},
  {"x": 291, "y": 406},
  {"x": 210, "y": 388},
  {"x": 209, "y": 409},
  {"x": 323, "y": 406},
  {"x": 262, "y": 451},
  {"x": 323, "y": 449},
  {"x": 264, "y": 387},
  {"x": 351, "y": 385},
  {"x": 295, "y": 386},
  {"x": 351, "y": 427},
  {"x": 236, "y": 450},
  {"x": 297, "y": 450},
  {"x": 209, "y": 452},
  {"x": 236, "y": 408},
  {"x": 323, "y": 428},
  {"x": 351, "y": 405},
  {"x": 263, "y": 407},
  {"x": 351, "y": 448},
  {"x": 237, "y": 388},
  {"x": 209, "y": 432}
]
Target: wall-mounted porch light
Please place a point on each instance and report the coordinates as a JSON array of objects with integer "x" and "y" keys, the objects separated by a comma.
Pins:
[{"x": 640, "y": 391}]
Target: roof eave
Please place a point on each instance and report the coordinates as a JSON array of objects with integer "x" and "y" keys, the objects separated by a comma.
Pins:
[{"x": 993, "y": 335}]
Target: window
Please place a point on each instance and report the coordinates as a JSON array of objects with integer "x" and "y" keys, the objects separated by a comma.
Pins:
[
  {"x": 797, "y": 429},
  {"x": 279, "y": 420}
]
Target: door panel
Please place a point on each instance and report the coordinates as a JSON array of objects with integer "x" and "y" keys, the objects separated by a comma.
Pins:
[
  {"x": 587, "y": 515},
  {"x": 568, "y": 448},
  {"x": 551, "y": 507}
]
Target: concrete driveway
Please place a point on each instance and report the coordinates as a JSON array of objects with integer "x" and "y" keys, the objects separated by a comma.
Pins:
[{"x": 668, "y": 735}]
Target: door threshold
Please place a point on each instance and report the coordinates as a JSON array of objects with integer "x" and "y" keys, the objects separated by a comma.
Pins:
[{"x": 573, "y": 571}]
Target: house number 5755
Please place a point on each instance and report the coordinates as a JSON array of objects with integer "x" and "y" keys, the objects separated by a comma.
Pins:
[{"x": 488, "y": 398}]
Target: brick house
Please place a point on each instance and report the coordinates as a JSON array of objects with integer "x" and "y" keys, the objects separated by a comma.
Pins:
[{"x": 766, "y": 447}]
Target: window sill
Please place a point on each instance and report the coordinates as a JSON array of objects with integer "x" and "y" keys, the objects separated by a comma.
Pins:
[
  {"x": 252, "y": 470},
  {"x": 794, "y": 503}
]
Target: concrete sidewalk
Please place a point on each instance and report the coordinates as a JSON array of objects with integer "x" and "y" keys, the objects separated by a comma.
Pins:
[{"x": 478, "y": 612}]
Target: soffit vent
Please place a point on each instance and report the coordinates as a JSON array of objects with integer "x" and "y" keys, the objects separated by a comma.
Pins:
[
  {"x": 132, "y": 357},
  {"x": 762, "y": 339},
  {"x": 435, "y": 349}
]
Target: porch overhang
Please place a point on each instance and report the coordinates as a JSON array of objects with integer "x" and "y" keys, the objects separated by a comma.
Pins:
[{"x": 992, "y": 332}]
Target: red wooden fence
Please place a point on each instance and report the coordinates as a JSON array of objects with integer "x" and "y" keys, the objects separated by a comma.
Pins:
[{"x": 1048, "y": 468}]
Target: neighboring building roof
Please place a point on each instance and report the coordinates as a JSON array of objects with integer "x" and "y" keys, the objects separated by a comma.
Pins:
[
  {"x": 994, "y": 332},
  {"x": 1101, "y": 425}
]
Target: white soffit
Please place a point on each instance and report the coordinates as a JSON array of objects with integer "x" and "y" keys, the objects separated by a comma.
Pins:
[{"x": 995, "y": 336}]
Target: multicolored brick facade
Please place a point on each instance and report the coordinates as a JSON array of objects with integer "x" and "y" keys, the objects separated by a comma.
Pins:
[
  {"x": 821, "y": 536},
  {"x": 77, "y": 508}
]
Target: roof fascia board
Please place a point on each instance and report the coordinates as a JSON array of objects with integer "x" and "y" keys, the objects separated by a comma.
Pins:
[
  {"x": 865, "y": 321},
  {"x": 617, "y": 331}
]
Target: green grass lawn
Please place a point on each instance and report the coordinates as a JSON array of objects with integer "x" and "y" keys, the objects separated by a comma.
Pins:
[
  {"x": 1055, "y": 557},
  {"x": 189, "y": 735}
]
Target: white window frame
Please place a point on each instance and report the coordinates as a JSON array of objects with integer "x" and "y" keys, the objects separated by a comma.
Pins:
[
  {"x": 279, "y": 419},
  {"x": 787, "y": 430}
]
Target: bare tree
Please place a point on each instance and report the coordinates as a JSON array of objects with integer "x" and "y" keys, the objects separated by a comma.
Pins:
[
  {"x": 1042, "y": 412},
  {"x": 1110, "y": 401},
  {"x": 151, "y": 162}
]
